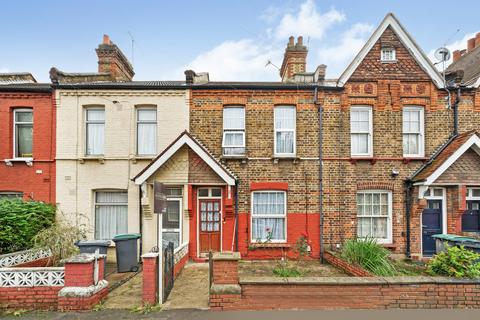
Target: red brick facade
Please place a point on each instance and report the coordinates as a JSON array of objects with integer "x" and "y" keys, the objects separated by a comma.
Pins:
[
  {"x": 387, "y": 88},
  {"x": 36, "y": 182}
]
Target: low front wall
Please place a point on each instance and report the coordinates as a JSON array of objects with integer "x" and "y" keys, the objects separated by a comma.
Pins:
[
  {"x": 348, "y": 268},
  {"x": 229, "y": 292},
  {"x": 41, "y": 298}
]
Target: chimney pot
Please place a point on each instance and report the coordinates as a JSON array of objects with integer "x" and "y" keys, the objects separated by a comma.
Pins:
[
  {"x": 106, "y": 39},
  {"x": 477, "y": 39},
  {"x": 291, "y": 40},
  {"x": 470, "y": 44},
  {"x": 456, "y": 55},
  {"x": 300, "y": 41}
]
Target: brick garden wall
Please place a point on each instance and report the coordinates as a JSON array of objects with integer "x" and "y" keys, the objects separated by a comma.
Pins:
[
  {"x": 43, "y": 298},
  {"x": 228, "y": 292},
  {"x": 345, "y": 266}
]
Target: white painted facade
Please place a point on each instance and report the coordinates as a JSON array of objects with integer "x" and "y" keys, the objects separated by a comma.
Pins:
[{"x": 79, "y": 176}]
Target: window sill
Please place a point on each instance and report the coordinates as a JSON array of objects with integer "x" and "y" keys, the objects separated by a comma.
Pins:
[
  {"x": 100, "y": 159},
  {"x": 407, "y": 159},
  {"x": 234, "y": 157},
  {"x": 269, "y": 245},
  {"x": 278, "y": 157},
  {"x": 28, "y": 161},
  {"x": 355, "y": 159},
  {"x": 134, "y": 159}
]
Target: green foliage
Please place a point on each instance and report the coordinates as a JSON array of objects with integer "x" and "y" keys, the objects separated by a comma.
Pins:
[
  {"x": 284, "y": 270},
  {"x": 20, "y": 221},
  {"x": 368, "y": 254},
  {"x": 455, "y": 262},
  {"x": 146, "y": 308},
  {"x": 301, "y": 246},
  {"x": 60, "y": 238}
]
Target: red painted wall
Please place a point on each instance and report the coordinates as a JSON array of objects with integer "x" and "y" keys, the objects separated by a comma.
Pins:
[{"x": 38, "y": 181}]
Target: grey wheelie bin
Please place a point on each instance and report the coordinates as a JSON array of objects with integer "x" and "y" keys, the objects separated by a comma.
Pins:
[
  {"x": 90, "y": 246},
  {"x": 127, "y": 251}
]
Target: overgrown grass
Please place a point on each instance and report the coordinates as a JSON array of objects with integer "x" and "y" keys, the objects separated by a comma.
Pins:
[
  {"x": 284, "y": 270},
  {"x": 368, "y": 254}
]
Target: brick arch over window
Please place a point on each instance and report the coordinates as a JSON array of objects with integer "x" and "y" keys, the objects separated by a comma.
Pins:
[{"x": 375, "y": 186}]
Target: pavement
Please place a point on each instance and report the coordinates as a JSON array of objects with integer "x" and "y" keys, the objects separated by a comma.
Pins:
[{"x": 261, "y": 315}]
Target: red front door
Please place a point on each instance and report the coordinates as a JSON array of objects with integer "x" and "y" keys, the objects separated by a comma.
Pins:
[{"x": 209, "y": 224}]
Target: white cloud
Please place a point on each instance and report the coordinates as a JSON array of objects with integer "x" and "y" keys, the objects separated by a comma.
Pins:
[
  {"x": 308, "y": 22},
  {"x": 4, "y": 70},
  {"x": 245, "y": 59},
  {"x": 338, "y": 56},
  {"x": 455, "y": 45},
  {"x": 237, "y": 60}
]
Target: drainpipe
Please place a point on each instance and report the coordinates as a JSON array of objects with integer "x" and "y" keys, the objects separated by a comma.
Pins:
[
  {"x": 236, "y": 216},
  {"x": 140, "y": 216},
  {"x": 455, "y": 111},
  {"x": 320, "y": 169},
  {"x": 408, "y": 204}
]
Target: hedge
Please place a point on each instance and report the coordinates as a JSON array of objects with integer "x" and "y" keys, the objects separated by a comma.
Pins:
[{"x": 20, "y": 221}]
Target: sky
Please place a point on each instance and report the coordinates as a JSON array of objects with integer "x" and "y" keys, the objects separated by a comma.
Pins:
[{"x": 232, "y": 40}]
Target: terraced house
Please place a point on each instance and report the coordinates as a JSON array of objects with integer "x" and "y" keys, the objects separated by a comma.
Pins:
[
  {"x": 27, "y": 138},
  {"x": 399, "y": 157},
  {"x": 388, "y": 150},
  {"x": 109, "y": 128}
]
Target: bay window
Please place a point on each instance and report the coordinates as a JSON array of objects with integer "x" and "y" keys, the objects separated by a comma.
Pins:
[
  {"x": 23, "y": 133},
  {"x": 285, "y": 130},
  {"x": 146, "y": 131},
  {"x": 269, "y": 216},
  {"x": 233, "y": 131},
  {"x": 111, "y": 214},
  {"x": 413, "y": 131},
  {"x": 361, "y": 131},
  {"x": 95, "y": 131},
  {"x": 374, "y": 215}
]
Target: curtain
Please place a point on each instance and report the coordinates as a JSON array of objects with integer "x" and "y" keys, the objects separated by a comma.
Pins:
[
  {"x": 260, "y": 227},
  {"x": 147, "y": 142},
  {"x": 359, "y": 143},
  {"x": 111, "y": 214},
  {"x": 285, "y": 117},
  {"x": 372, "y": 213},
  {"x": 24, "y": 140},
  {"x": 233, "y": 118},
  {"x": 285, "y": 142},
  {"x": 147, "y": 131},
  {"x": 95, "y": 131}
]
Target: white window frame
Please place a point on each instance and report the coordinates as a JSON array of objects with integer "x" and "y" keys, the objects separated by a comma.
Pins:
[
  {"x": 95, "y": 204},
  {"x": 369, "y": 152},
  {"x": 284, "y": 216},
  {"x": 383, "y": 57},
  {"x": 421, "y": 133},
  {"x": 294, "y": 130},
  {"x": 389, "y": 239},
  {"x": 15, "y": 122},
  {"x": 94, "y": 122},
  {"x": 178, "y": 199},
  {"x": 470, "y": 195},
  {"x": 138, "y": 109},
  {"x": 429, "y": 194},
  {"x": 9, "y": 194},
  {"x": 234, "y": 130}
]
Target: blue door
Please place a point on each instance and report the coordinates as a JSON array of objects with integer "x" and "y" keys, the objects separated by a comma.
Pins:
[{"x": 431, "y": 224}]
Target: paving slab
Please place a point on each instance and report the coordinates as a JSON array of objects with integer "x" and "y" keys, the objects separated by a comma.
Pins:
[{"x": 190, "y": 289}]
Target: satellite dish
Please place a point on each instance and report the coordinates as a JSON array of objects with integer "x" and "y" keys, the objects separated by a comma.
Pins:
[{"x": 442, "y": 54}]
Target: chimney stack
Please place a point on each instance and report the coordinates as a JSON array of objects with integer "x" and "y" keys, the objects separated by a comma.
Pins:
[
  {"x": 477, "y": 40},
  {"x": 111, "y": 60},
  {"x": 294, "y": 59},
  {"x": 456, "y": 55},
  {"x": 470, "y": 44}
]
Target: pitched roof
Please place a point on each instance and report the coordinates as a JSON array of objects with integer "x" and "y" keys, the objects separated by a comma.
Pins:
[
  {"x": 391, "y": 21},
  {"x": 446, "y": 156},
  {"x": 469, "y": 63},
  {"x": 186, "y": 139}
]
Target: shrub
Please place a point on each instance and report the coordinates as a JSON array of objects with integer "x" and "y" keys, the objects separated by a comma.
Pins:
[
  {"x": 60, "y": 238},
  {"x": 368, "y": 254},
  {"x": 20, "y": 221},
  {"x": 455, "y": 262}
]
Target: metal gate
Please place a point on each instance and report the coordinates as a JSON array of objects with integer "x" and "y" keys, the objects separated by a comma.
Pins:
[{"x": 168, "y": 270}]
